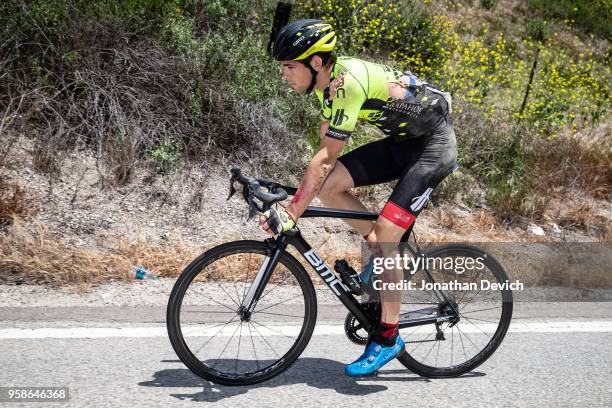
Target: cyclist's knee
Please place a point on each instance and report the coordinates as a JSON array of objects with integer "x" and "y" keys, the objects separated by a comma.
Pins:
[{"x": 387, "y": 231}]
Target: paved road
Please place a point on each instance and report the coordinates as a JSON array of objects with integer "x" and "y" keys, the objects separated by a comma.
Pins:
[{"x": 555, "y": 355}]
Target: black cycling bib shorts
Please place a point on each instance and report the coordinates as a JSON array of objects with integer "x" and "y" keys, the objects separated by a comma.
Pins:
[{"x": 420, "y": 148}]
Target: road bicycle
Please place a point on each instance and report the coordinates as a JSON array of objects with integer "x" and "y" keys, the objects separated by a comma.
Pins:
[{"x": 243, "y": 312}]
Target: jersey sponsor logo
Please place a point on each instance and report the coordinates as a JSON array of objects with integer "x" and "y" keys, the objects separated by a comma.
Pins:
[
  {"x": 375, "y": 116},
  {"x": 404, "y": 108},
  {"x": 325, "y": 272},
  {"x": 419, "y": 201},
  {"x": 340, "y": 117},
  {"x": 340, "y": 93},
  {"x": 337, "y": 134}
]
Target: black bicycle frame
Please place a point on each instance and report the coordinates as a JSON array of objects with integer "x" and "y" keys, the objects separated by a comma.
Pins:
[{"x": 294, "y": 237}]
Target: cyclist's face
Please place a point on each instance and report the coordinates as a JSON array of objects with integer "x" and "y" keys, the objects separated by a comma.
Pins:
[{"x": 296, "y": 75}]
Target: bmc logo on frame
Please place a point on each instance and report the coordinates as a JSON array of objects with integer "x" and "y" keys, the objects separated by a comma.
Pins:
[{"x": 324, "y": 271}]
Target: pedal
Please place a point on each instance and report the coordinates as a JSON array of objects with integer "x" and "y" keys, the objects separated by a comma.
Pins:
[{"x": 349, "y": 276}]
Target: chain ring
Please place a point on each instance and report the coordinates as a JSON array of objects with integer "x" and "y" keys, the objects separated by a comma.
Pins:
[
  {"x": 351, "y": 323},
  {"x": 350, "y": 329}
]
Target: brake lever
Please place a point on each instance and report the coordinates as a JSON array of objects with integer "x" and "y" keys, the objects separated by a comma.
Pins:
[
  {"x": 252, "y": 208},
  {"x": 232, "y": 189}
]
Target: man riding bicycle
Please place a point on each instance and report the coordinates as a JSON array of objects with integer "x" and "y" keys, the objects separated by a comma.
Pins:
[{"x": 419, "y": 150}]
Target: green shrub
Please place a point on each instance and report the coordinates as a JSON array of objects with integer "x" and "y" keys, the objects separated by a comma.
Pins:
[
  {"x": 593, "y": 15},
  {"x": 538, "y": 29},
  {"x": 167, "y": 155},
  {"x": 387, "y": 28},
  {"x": 489, "y": 4}
]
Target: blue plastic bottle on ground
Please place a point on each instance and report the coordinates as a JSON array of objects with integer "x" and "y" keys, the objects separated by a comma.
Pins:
[{"x": 141, "y": 273}]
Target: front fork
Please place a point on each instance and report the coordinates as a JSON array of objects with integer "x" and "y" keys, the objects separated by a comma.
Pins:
[{"x": 275, "y": 249}]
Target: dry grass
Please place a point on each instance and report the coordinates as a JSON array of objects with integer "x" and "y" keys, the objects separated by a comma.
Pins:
[
  {"x": 447, "y": 219},
  {"x": 38, "y": 255},
  {"x": 13, "y": 202},
  {"x": 581, "y": 162},
  {"x": 585, "y": 218}
]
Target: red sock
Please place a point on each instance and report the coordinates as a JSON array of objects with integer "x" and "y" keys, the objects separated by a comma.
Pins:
[
  {"x": 386, "y": 333},
  {"x": 388, "y": 329}
]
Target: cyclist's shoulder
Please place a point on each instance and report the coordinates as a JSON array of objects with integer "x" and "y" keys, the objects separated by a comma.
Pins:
[
  {"x": 366, "y": 73},
  {"x": 351, "y": 67},
  {"x": 354, "y": 73}
]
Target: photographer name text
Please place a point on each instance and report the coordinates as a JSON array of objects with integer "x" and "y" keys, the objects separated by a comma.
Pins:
[{"x": 452, "y": 285}]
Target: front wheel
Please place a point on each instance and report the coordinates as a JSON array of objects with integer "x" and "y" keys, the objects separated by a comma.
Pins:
[
  {"x": 219, "y": 343},
  {"x": 452, "y": 347}
]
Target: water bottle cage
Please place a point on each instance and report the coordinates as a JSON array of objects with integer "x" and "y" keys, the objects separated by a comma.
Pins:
[{"x": 348, "y": 276}]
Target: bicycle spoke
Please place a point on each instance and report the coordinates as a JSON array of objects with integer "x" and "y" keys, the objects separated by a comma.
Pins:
[
  {"x": 218, "y": 331},
  {"x": 481, "y": 320},
  {"x": 276, "y": 304},
  {"x": 208, "y": 311},
  {"x": 234, "y": 282},
  {"x": 228, "y": 295},
  {"x": 253, "y": 343},
  {"x": 459, "y": 302},
  {"x": 432, "y": 347},
  {"x": 274, "y": 287},
  {"x": 246, "y": 279},
  {"x": 278, "y": 314},
  {"x": 264, "y": 339},
  {"x": 452, "y": 343},
  {"x": 468, "y": 337},
  {"x": 473, "y": 297},
  {"x": 482, "y": 331},
  {"x": 418, "y": 344},
  {"x": 269, "y": 328},
  {"x": 480, "y": 310},
  {"x": 225, "y": 348},
  {"x": 221, "y": 304},
  {"x": 238, "y": 350}
]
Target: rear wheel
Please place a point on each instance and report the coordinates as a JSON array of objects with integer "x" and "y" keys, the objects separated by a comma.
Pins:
[
  {"x": 452, "y": 347},
  {"x": 219, "y": 343}
]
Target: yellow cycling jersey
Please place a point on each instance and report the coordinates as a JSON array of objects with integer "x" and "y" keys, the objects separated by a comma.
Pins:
[{"x": 364, "y": 94}]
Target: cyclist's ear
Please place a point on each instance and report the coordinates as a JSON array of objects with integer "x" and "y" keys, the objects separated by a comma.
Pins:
[{"x": 316, "y": 62}]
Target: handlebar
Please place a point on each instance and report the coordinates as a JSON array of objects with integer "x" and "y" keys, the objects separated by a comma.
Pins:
[{"x": 252, "y": 188}]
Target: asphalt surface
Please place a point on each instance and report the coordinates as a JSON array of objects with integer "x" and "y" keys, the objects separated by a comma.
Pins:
[{"x": 555, "y": 354}]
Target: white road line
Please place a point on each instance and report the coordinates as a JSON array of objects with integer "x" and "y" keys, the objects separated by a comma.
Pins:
[{"x": 601, "y": 326}]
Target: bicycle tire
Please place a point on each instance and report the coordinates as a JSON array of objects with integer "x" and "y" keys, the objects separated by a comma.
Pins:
[
  {"x": 506, "y": 316},
  {"x": 193, "y": 269}
]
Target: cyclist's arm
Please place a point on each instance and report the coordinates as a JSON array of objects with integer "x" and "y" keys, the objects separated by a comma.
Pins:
[
  {"x": 338, "y": 123},
  {"x": 324, "y": 127},
  {"x": 319, "y": 168}
]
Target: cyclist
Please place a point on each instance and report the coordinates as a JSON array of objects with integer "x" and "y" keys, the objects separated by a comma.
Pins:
[{"x": 419, "y": 150}]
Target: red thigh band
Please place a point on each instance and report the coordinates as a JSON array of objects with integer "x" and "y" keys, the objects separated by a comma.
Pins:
[{"x": 397, "y": 215}]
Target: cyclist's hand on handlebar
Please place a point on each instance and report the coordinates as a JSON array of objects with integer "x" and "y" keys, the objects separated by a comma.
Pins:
[{"x": 275, "y": 222}]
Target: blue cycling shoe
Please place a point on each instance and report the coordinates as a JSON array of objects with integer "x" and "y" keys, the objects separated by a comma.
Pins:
[{"x": 374, "y": 357}]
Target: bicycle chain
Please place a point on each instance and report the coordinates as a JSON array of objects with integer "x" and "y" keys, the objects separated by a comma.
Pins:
[{"x": 419, "y": 341}]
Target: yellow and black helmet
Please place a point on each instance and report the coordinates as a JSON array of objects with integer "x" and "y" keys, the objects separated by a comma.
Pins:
[{"x": 302, "y": 38}]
